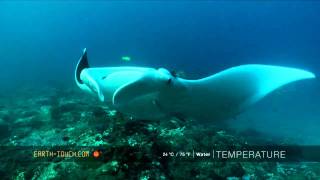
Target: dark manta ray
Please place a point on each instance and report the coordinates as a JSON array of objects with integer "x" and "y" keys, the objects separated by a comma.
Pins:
[{"x": 149, "y": 93}]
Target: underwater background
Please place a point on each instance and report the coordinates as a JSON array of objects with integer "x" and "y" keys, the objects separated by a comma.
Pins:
[{"x": 41, "y": 42}]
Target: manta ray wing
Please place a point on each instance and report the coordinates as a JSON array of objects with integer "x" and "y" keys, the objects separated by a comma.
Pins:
[
  {"x": 231, "y": 91},
  {"x": 139, "y": 97}
]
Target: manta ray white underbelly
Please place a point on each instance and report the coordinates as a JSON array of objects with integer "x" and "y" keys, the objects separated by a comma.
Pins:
[{"x": 149, "y": 93}]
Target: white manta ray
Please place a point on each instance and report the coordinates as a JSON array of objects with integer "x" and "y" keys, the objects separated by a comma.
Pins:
[{"x": 149, "y": 93}]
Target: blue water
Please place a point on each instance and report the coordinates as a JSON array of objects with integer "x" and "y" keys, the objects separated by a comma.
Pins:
[{"x": 40, "y": 42}]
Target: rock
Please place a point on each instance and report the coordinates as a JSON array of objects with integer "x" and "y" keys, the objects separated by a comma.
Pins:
[
  {"x": 65, "y": 138},
  {"x": 45, "y": 112},
  {"x": 4, "y": 129},
  {"x": 230, "y": 169},
  {"x": 62, "y": 170},
  {"x": 109, "y": 168}
]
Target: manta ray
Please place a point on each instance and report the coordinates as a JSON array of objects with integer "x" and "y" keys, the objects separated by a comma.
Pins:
[{"x": 150, "y": 93}]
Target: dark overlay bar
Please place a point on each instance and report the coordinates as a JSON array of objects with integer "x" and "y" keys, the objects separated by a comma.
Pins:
[{"x": 216, "y": 153}]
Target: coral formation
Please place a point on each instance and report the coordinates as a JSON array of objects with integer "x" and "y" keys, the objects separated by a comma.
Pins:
[{"x": 131, "y": 148}]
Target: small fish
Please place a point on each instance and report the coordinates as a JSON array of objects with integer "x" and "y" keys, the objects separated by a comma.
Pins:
[{"x": 125, "y": 58}]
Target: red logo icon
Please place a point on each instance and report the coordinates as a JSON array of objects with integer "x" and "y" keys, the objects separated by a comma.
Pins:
[{"x": 96, "y": 153}]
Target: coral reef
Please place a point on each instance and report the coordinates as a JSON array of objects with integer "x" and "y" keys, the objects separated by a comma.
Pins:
[{"x": 131, "y": 148}]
